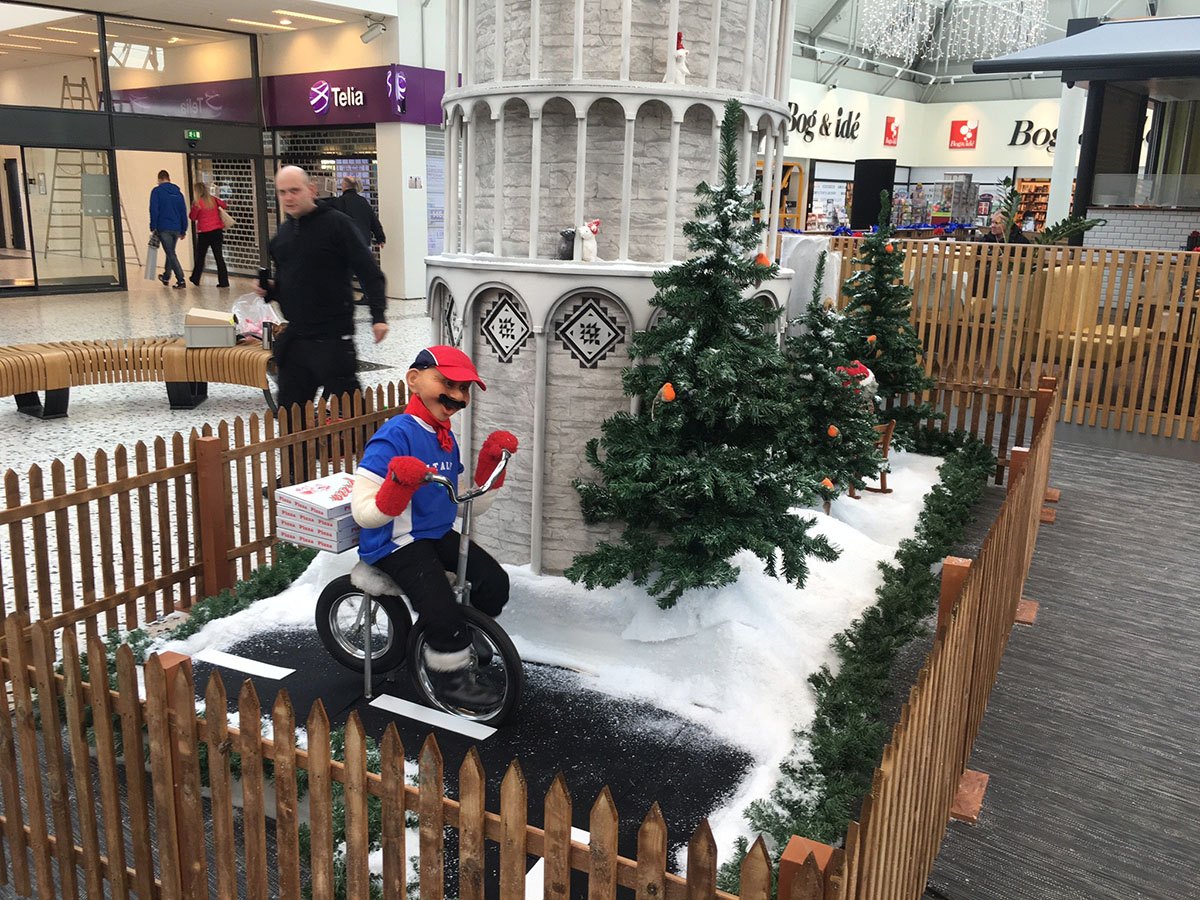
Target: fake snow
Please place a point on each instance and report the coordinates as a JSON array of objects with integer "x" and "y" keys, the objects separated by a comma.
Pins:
[{"x": 735, "y": 660}]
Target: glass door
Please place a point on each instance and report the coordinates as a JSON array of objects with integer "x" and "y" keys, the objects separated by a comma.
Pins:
[{"x": 73, "y": 233}]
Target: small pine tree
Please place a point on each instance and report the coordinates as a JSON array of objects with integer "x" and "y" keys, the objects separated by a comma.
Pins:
[
  {"x": 833, "y": 430},
  {"x": 880, "y": 332},
  {"x": 696, "y": 475}
]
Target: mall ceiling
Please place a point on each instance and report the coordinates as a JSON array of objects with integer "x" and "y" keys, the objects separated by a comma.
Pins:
[{"x": 827, "y": 31}]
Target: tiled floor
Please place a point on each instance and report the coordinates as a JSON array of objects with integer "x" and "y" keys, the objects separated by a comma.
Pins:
[{"x": 104, "y": 415}]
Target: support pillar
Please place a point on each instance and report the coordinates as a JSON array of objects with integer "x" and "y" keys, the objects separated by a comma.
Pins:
[
  {"x": 1062, "y": 172},
  {"x": 954, "y": 575},
  {"x": 672, "y": 190},
  {"x": 535, "y": 183},
  {"x": 672, "y": 29},
  {"x": 498, "y": 185},
  {"x": 577, "y": 53},
  {"x": 626, "y": 189},
  {"x": 776, "y": 191},
  {"x": 714, "y": 53},
  {"x": 580, "y": 168},
  {"x": 748, "y": 50},
  {"x": 765, "y": 198},
  {"x": 803, "y": 868},
  {"x": 470, "y": 186}
]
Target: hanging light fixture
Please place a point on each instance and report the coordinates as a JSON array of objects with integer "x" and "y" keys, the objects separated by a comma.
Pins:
[{"x": 969, "y": 29}]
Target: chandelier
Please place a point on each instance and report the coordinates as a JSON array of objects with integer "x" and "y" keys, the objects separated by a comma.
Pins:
[{"x": 950, "y": 30}]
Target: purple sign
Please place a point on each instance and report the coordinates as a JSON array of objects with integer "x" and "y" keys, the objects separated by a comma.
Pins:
[
  {"x": 229, "y": 101},
  {"x": 392, "y": 93}
]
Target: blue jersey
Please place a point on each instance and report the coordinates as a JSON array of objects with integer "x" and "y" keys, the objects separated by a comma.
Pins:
[{"x": 431, "y": 512}]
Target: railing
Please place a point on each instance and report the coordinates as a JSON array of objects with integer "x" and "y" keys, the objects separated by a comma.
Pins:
[
  {"x": 126, "y": 539},
  {"x": 165, "y": 854},
  {"x": 890, "y": 851},
  {"x": 1117, "y": 328}
]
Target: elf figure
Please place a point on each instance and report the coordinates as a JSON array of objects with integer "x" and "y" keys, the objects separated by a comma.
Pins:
[{"x": 681, "y": 68}]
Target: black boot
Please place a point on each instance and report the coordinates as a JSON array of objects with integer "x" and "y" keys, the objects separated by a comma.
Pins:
[{"x": 467, "y": 688}]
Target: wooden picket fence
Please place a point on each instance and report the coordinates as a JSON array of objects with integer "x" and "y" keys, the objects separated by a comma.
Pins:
[
  {"x": 49, "y": 853},
  {"x": 890, "y": 851},
  {"x": 127, "y": 537},
  {"x": 1116, "y": 327}
]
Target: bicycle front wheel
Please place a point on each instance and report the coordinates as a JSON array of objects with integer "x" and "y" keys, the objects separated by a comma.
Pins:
[
  {"x": 496, "y": 671},
  {"x": 342, "y": 620}
]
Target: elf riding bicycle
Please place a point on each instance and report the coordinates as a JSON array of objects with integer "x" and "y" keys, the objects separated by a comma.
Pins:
[{"x": 405, "y": 500}]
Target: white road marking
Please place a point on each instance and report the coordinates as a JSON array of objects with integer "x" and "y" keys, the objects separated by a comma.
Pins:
[
  {"x": 434, "y": 717},
  {"x": 535, "y": 878},
  {"x": 242, "y": 664}
]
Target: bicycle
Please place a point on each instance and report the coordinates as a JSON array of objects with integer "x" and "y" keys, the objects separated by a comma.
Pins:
[{"x": 350, "y": 625}]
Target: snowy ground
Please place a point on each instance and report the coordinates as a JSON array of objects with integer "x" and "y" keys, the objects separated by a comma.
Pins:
[{"x": 735, "y": 660}]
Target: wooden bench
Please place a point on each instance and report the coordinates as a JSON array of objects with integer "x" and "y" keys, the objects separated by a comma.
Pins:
[
  {"x": 884, "y": 443},
  {"x": 52, "y": 369}
]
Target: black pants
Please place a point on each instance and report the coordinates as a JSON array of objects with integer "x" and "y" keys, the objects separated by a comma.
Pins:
[
  {"x": 168, "y": 240},
  {"x": 420, "y": 569},
  {"x": 305, "y": 364},
  {"x": 216, "y": 240}
]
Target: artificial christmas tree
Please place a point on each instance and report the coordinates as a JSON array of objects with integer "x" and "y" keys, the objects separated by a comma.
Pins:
[
  {"x": 832, "y": 431},
  {"x": 699, "y": 477},
  {"x": 880, "y": 333}
]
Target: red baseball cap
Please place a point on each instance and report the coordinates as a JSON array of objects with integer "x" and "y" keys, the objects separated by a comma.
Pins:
[{"x": 451, "y": 362}]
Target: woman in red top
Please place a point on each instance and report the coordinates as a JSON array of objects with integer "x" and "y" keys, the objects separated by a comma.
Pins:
[{"x": 210, "y": 231}]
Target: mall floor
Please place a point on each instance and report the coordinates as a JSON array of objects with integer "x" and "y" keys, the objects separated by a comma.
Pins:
[{"x": 1090, "y": 736}]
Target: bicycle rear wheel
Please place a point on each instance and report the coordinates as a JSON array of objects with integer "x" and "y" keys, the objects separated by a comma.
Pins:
[
  {"x": 341, "y": 624},
  {"x": 495, "y": 664}
]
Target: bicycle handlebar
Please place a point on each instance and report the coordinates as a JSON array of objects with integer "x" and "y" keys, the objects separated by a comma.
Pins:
[{"x": 479, "y": 491}]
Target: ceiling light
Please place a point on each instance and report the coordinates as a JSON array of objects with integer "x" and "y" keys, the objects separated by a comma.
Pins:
[
  {"x": 261, "y": 24},
  {"x": 173, "y": 40},
  {"x": 91, "y": 33},
  {"x": 374, "y": 30},
  {"x": 309, "y": 16},
  {"x": 21, "y": 46},
  {"x": 32, "y": 37},
  {"x": 137, "y": 25},
  {"x": 285, "y": 21}
]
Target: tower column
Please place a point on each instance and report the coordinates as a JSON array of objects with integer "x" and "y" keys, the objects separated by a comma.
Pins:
[
  {"x": 768, "y": 87},
  {"x": 672, "y": 189},
  {"x": 471, "y": 26},
  {"x": 499, "y": 41},
  {"x": 776, "y": 191},
  {"x": 580, "y": 165},
  {"x": 453, "y": 129},
  {"x": 626, "y": 37},
  {"x": 748, "y": 52},
  {"x": 672, "y": 30},
  {"x": 452, "y": 56},
  {"x": 626, "y": 189},
  {"x": 714, "y": 55},
  {"x": 498, "y": 186},
  {"x": 768, "y": 161},
  {"x": 535, "y": 181},
  {"x": 578, "y": 52},
  {"x": 535, "y": 39},
  {"x": 470, "y": 186}
]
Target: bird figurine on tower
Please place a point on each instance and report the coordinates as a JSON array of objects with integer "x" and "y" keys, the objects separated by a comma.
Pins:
[{"x": 681, "y": 68}]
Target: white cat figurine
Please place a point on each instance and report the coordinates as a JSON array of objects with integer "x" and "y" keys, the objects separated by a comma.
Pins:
[
  {"x": 681, "y": 67},
  {"x": 587, "y": 240}
]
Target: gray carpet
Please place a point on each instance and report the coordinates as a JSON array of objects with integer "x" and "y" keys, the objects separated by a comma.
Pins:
[{"x": 1091, "y": 735}]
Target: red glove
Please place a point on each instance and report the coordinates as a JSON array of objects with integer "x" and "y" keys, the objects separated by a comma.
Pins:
[
  {"x": 404, "y": 475},
  {"x": 489, "y": 456}
]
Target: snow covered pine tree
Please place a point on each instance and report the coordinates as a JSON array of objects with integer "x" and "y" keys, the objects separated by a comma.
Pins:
[
  {"x": 832, "y": 431},
  {"x": 700, "y": 472},
  {"x": 880, "y": 333}
]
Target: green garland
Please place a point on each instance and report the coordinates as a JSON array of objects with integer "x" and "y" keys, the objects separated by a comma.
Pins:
[{"x": 831, "y": 767}]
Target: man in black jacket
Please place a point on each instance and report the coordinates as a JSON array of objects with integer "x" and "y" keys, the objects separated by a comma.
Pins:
[
  {"x": 358, "y": 208},
  {"x": 315, "y": 251}
]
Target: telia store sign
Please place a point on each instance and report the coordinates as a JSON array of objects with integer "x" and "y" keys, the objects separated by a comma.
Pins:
[{"x": 355, "y": 96}]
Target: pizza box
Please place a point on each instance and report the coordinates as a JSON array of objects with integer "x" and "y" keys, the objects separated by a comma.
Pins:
[
  {"x": 326, "y": 498},
  {"x": 314, "y": 541},
  {"x": 306, "y": 523}
]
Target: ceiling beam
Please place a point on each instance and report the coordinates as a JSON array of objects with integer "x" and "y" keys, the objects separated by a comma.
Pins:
[{"x": 835, "y": 10}]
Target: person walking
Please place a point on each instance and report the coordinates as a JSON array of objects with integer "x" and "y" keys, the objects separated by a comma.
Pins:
[
  {"x": 315, "y": 251},
  {"x": 358, "y": 208},
  {"x": 210, "y": 233},
  {"x": 169, "y": 220}
]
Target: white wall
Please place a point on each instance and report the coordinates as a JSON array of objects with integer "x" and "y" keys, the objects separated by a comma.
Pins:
[
  {"x": 137, "y": 175},
  {"x": 402, "y": 210},
  {"x": 215, "y": 61},
  {"x": 42, "y": 85}
]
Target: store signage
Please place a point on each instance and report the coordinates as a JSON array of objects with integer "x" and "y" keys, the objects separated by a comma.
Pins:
[
  {"x": 964, "y": 134},
  {"x": 891, "y": 131},
  {"x": 392, "y": 93},
  {"x": 845, "y": 124},
  {"x": 1025, "y": 134},
  {"x": 229, "y": 101}
]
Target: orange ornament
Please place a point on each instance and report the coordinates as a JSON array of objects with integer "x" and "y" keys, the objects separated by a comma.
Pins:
[
  {"x": 762, "y": 259},
  {"x": 667, "y": 392},
  {"x": 826, "y": 483},
  {"x": 888, "y": 248},
  {"x": 833, "y": 431},
  {"x": 871, "y": 339}
]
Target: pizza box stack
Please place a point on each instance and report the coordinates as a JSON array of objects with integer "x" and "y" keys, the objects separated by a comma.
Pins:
[{"x": 317, "y": 513}]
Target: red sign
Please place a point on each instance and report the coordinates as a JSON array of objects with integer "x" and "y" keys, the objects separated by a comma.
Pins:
[
  {"x": 963, "y": 134},
  {"x": 891, "y": 132}
]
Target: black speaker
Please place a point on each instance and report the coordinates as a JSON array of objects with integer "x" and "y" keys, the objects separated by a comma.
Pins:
[{"x": 870, "y": 177}]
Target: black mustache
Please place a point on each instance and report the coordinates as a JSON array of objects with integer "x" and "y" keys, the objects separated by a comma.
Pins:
[{"x": 450, "y": 403}]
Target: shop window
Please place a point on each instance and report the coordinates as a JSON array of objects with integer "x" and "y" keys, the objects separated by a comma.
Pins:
[{"x": 49, "y": 62}]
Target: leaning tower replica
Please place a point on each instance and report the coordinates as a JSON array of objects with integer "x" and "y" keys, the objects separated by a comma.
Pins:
[{"x": 569, "y": 111}]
